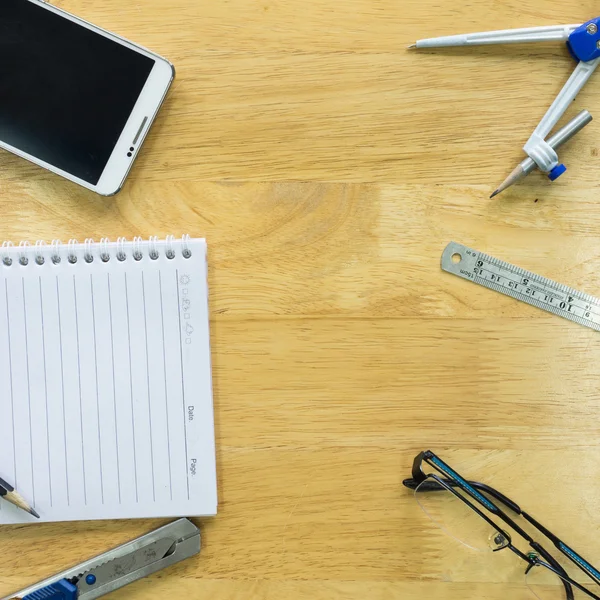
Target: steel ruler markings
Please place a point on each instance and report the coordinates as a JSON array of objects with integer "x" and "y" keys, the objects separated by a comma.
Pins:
[{"x": 522, "y": 285}]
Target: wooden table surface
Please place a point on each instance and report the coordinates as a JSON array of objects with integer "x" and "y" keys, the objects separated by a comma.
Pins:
[{"x": 328, "y": 167}]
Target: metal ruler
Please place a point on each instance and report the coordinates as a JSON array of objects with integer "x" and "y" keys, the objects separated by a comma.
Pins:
[{"x": 522, "y": 285}]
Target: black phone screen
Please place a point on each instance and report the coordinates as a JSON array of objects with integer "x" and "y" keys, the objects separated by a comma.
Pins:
[{"x": 66, "y": 92}]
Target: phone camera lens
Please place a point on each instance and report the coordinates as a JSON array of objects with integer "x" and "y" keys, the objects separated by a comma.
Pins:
[
  {"x": 131, "y": 149},
  {"x": 129, "y": 154}
]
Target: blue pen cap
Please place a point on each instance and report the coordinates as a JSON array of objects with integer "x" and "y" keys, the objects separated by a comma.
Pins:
[
  {"x": 557, "y": 172},
  {"x": 61, "y": 590}
]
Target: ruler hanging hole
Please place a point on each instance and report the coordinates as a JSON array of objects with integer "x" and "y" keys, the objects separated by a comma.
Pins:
[{"x": 456, "y": 258}]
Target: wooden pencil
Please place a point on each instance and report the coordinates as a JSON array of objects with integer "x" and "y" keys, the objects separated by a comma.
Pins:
[{"x": 7, "y": 492}]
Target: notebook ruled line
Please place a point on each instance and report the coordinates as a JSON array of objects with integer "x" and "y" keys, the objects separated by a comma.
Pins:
[
  {"x": 187, "y": 464},
  {"x": 137, "y": 497},
  {"x": 112, "y": 350},
  {"x": 46, "y": 389},
  {"x": 162, "y": 318},
  {"x": 97, "y": 391},
  {"x": 12, "y": 396},
  {"x": 62, "y": 385},
  {"x": 80, "y": 395},
  {"x": 148, "y": 380},
  {"x": 28, "y": 388}
]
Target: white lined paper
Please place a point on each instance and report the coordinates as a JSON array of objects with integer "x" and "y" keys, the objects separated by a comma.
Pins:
[{"x": 105, "y": 386}]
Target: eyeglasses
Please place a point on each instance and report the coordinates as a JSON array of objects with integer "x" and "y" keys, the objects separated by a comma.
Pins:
[{"x": 469, "y": 512}]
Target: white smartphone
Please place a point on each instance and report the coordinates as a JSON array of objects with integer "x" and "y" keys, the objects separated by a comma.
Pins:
[{"x": 75, "y": 99}]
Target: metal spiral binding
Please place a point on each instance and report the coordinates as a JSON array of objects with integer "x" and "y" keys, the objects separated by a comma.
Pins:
[
  {"x": 39, "y": 249},
  {"x": 23, "y": 251},
  {"x": 185, "y": 240},
  {"x": 56, "y": 245},
  {"x": 152, "y": 251},
  {"x": 121, "y": 256},
  {"x": 105, "y": 251},
  {"x": 6, "y": 259},
  {"x": 170, "y": 252},
  {"x": 71, "y": 252},
  {"x": 88, "y": 249},
  {"x": 137, "y": 248}
]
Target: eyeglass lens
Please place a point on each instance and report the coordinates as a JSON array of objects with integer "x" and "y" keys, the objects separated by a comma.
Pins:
[{"x": 456, "y": 518}]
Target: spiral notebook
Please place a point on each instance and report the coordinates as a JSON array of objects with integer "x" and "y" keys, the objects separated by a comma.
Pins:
[{"x": 106, "y": 405}]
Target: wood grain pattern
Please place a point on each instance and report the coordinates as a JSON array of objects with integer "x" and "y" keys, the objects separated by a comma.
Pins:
[{"x": 328, "y": 168}]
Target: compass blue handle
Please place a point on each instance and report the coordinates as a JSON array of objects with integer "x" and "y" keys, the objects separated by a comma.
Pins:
[
  {"x": 584, "y": 41},
  {"x": 61, "y": 590}
]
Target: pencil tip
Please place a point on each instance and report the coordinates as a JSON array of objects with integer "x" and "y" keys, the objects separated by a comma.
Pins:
[
  {"x": 33, "y": 512},
  {"x": 494, "y": 194},
  {"x": 412, "y": 46}
]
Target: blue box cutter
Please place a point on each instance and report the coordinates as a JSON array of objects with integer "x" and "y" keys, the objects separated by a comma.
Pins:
[{"x": 113, "y": 570}]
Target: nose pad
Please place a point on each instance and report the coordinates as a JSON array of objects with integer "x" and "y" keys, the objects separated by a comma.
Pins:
[
  {"x": 533, "y": 557},
  {"x": 498, "y": 541}
]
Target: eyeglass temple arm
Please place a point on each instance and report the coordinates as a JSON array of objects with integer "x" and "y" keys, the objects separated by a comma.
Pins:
[
  {"x": 419, "y": 476},
  {"x": 414, "y": 484}
]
